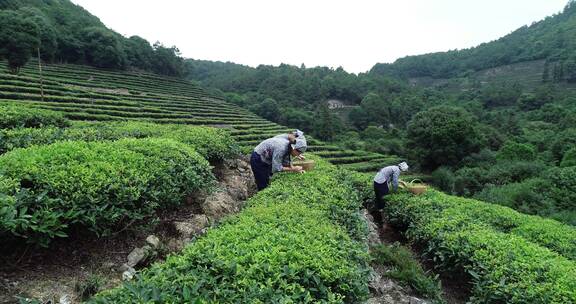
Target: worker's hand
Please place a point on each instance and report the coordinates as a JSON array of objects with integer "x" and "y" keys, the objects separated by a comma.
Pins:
[
  {"x": 301, "y": 157},
  {"x": 297, "y": 168}
]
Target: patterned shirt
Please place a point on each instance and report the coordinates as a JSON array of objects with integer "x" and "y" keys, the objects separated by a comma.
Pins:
[
  {"x": 388, "y": 174},
  {"x": 275, "y": 151}
]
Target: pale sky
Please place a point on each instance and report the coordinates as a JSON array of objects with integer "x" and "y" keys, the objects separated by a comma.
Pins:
[{"x": 352, "y": 34}]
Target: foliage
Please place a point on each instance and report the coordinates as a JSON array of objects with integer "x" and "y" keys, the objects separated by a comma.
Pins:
[
  {"x": 66, "y": 32},
  {"x": 18, "y": 39},
  {"x": 287, "y": 246},
  {"x": 569, "y": 158},
  {"x": 563, "y": 189},
  {"x": 407, "y": 270},
  {"x": 443, "y": 136},
  {"x": 516, "y": 151},
  {"x": 46, "y": 189},
  {"x": 103, "y": 48},
  {"x": 213, "y": 144},
  {"x": 89, "y": 287},
  {"x": 509, "y": 256},
  {"x": 444, "y": 179},
  {"x": 16, "y": 116}
]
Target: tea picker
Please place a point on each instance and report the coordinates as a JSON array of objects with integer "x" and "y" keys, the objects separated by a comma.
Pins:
[
  {"x": 389, "y": 174},
  {"x": 273, "y": 155}
]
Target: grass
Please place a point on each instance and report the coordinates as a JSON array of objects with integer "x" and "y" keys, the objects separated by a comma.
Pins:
[{"x": 406, "y": 269}]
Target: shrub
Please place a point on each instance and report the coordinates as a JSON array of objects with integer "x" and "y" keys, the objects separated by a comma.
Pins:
[
  {"x": 443, "y": 136},
  {"x": 290, "y": 245},
  {"x": 569, "y": 158},
  {"x": 45, "y": 189},
  {"x": 563, "y": 189},
  {"x": 510, "y": 257},
  {"x": 444, "y": 179},
  {"x": 212, "y": 143},
  {"x": 527, "y": 196},
  {"x": 516, "y": 151},
  {"x": 17, "y": 116}
]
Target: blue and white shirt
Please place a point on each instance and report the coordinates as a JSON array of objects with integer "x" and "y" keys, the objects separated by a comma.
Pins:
[
  {"x": 275, "y": 151},
  {"x": 388, "y": 174}
]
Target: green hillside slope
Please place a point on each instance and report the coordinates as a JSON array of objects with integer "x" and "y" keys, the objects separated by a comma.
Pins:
[
  {"x": 551, "y": 39},
  {"x": 86, "y": 93}
]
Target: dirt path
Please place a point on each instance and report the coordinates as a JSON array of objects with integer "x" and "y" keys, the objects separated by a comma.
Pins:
[{"x": 454, "y": 290}]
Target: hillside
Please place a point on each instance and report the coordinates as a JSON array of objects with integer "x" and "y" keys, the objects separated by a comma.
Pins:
[
  {"x": 85, "y": 93},
  {"x": 551, "y": 39},
  {"x": 64, "y": 32}
]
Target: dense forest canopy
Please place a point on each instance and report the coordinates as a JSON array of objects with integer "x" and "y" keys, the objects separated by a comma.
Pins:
[{"x": 64, "y": 32}]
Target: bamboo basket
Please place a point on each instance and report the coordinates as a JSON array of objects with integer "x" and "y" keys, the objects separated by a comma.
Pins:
[
  {"x": 416, "y": 186},
  {"x": 307, "y": 165}
]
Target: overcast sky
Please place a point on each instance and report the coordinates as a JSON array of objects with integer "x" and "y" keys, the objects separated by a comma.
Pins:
[{"x": 354, "y": 34}]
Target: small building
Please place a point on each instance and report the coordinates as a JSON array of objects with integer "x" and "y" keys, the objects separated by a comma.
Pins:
[{"x": 335, "y": 104}]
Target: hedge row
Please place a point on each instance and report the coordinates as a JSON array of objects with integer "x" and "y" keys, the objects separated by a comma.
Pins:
[
  {"x": 298, "y": 241},
  {"x": 139, "y": 113},
  {"x": 355, "y": 159},
  {"x": 511, "y": 257},
  {"x": 548, "y": 233},
  {"x": 97, "y": 186},
  {"x": 373, "y": 165},
  {"x": 16, "y": 116},
  {"x": 211, "y": 143}
]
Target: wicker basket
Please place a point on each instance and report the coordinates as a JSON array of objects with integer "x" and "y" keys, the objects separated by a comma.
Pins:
[
  {"x": 416, "y": 186},
  {"x": 307, "y": 165}
]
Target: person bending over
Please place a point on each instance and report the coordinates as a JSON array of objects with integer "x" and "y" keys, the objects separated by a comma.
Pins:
[
  {"x": 273, "y": 155},
  {"x": 386, "y": 175}
]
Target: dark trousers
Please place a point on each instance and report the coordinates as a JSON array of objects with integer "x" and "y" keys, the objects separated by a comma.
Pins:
[
  {"x": 380, "y": 190},
  {"x": 262, "y": 171}
]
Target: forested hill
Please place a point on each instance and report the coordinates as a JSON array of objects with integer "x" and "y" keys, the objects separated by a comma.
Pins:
[
  {"x": 65, "y": 32},
  {"x": 552, "y": 39}
]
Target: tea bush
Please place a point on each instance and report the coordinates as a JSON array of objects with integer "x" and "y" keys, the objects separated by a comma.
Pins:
[
  {"x": 17, "y": 116},
  {"x": 211, "y": 143},
  {"x": 46, "y": 189},
  {"x": 511, "y": 257},
  {"x": 291, "y": 244}
]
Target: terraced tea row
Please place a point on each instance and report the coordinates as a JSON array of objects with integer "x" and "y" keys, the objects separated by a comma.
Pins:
[{"x": 86, "y": 93}]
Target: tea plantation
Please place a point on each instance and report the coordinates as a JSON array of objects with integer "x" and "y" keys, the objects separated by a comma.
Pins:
[
  {"x": 509, "y": 257},
  {"x": 89, "y": 94},
  {"x": 95, "y": 149}
]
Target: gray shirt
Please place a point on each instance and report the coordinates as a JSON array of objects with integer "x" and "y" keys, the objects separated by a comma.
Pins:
[
  {"x": 388, "y": 174},
  {"x": 275, "y": 151}
]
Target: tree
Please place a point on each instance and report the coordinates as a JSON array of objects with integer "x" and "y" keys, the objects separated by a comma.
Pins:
[
  {"x": 48, "y": 42},
  {"x": 376, "y": 109},
  {"x": 167, "y": 61},
  {"x": 359, "y": 118},
  {"x": 103, "y": 48},
  {"x": 297, "y": 118},
  {"x": 268, "y": 108},
  {"x": 326, "y": 124},
  {"x": 569, "y": 159},
  {"x": 516, "y": 151},
  {"x": 443, "y": 135},
  {"x": 139, "y": 53},
  {"x": 18, "y": 39}
]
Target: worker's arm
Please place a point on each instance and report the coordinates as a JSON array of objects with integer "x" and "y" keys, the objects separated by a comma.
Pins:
[
  {"x": 395, "y": 177},
  {"x": 278, "y": 164}
]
